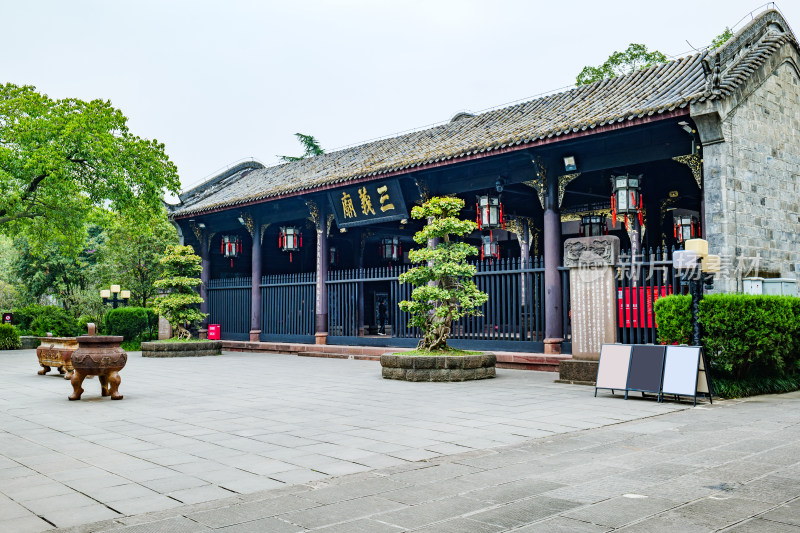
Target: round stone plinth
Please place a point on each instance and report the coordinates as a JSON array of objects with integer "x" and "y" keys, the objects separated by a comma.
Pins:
[
  {"x": 438, "y": 367},
  {"x": 181, "y": 349}
]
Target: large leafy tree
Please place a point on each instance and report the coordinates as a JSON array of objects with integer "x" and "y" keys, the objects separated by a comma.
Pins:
[
  {"x": 132, "y": 252},
  {"x": 179, "y": 302},
  {"x": 635, "y": 57},
  {"x": 444, "y": 289},
  {"x": 51, "y": 271},
  {"x": 60, "y": 158},
  {"x": 311, "y": 148}
]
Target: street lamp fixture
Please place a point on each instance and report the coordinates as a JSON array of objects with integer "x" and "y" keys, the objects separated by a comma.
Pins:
[
  {"x": 696, "y": 268},
  {"x": 119, "y": 296}
]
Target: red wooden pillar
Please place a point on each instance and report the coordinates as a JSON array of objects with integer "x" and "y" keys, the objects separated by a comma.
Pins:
[
  {"x": 553, "y": 322},
  {"x": 255, "y": 290},
  {"x": 321, "y": 330}
]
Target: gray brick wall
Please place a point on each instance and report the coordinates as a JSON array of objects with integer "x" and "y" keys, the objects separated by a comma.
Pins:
[{"x": 752, "y": 180}]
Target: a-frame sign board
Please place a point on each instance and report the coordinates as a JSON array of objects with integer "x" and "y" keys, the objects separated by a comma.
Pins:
[
  {"x": 647, "y": 369},
  {"x": 685, "y": 373},
  {"x": 612, "y": 370}
]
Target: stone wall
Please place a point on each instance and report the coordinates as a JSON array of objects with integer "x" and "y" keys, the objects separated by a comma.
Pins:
[{"x": 752, "y": 179}]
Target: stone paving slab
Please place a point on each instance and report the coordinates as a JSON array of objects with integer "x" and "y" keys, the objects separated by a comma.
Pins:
[{"x": 629, "y": 470}]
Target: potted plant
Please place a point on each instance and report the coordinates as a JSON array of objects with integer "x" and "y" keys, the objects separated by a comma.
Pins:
[
  {"x": 444, "y": 293},
  {"x": 178, "y": 304}
]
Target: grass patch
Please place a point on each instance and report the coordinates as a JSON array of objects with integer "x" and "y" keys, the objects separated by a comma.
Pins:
[
  {"x": 131, "y": 346},
  {"x": 183, "y": 340},
  {"x": 741, "y": 388},
  {"x": 439, "y": 352}
]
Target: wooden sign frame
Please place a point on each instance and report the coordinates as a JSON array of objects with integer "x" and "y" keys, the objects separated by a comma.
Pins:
[{"x": 616, "y": 353}]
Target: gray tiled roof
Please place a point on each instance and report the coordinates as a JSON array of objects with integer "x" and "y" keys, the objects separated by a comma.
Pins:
[{"x": 659, "y": 89}]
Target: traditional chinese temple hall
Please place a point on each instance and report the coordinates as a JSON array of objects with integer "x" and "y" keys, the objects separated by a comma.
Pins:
[{"x": 705, "y": 145}]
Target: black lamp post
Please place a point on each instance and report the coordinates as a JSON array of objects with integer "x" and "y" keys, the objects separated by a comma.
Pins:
[
  {"x": 119, "y": 296},
  {"x": 696, "y": 269}
]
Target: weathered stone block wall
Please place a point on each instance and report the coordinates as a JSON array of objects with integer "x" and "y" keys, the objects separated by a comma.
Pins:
[{"x": 752, "y": 180}]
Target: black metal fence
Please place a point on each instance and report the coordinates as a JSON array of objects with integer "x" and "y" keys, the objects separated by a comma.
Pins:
[
  {"x": 641, "y": 281},
  {"x": 229, "y": 306},
  {"x": 513, "y": 318},
  {"x": 513, "y": 314},
  {"x": 287, "y": 307}
]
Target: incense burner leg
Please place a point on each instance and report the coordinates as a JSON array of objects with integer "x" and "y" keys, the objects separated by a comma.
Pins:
[
  {"x": 114, "y": 380},
  {"x": 45, "y": 369},
  {"x": 76, "y": 381},
  {"x": 103, "y": 385}
]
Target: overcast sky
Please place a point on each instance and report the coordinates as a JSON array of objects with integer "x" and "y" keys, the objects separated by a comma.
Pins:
[{"x": 220, "y": 81}]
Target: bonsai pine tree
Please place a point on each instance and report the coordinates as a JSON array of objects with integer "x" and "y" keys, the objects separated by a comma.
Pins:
[
  {"x": 179, "y": 306},
  {"x": 444, "y": 290}
]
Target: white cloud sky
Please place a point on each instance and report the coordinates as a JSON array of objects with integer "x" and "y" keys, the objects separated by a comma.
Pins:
[{"x": 221, "y": 81}]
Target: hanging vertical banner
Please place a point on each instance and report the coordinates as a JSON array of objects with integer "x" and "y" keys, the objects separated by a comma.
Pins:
[{"x": 368, "y": 203}]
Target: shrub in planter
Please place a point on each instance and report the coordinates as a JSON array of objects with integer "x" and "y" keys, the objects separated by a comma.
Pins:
[
  {"x": 9, "y": 337},
  {"x": 444, "y": 289},
  {"x": 674, "y": 319},
  {"x": 179, "y": 304}
]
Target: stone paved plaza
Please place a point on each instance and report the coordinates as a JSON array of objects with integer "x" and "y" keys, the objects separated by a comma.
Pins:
[{"x": 257, "y": 442}]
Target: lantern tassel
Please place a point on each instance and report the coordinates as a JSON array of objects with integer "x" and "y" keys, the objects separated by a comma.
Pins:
[{"x": 614, "y": 209}]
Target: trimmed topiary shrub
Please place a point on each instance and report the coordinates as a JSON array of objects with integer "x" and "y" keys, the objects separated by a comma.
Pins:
[
  {"x": 674, "y": 319},
  {"x": 9, "y": 337},
  {"x": 751, "y": 336},
  {"x": 130, "y": 322}
]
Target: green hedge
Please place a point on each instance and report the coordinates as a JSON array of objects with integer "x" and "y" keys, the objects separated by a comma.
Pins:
[
  {"x": 133, "y": 323},
  {"x": 752, "y": 336},
  {"x": 39, "y": 320},
  {"x": 674, "y": 319},
  {"x": 9, "y": 338},
  {"x": 753, "y": 342}
]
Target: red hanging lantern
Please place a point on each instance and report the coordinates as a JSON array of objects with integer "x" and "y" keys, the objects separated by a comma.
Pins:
[
  {"x": 390, "y": 249},
  {"x": 490, "y": 213},
  {"x": 593, "y": 226},
  {"x": 290, "y": 239},
  {"x": 489, "y": 247},
  {"x": 230, "y": 247},
  {"x": 685, "y": 227}
]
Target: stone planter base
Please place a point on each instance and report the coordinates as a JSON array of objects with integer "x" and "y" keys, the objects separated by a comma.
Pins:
[
  {"x": 181, "y": 349},
  {"x": 577, "y": 372},
  {"x": 29, "y": 343},
  {"x": 438, "y": 367}
]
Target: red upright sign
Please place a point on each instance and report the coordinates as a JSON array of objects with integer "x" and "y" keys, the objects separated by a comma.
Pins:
[
  {"x": 213, "y": 332},
  {"x": 635, "y": 297}
]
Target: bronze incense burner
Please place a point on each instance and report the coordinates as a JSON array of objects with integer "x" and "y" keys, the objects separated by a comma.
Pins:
[{"x": 99, "y": 356}]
